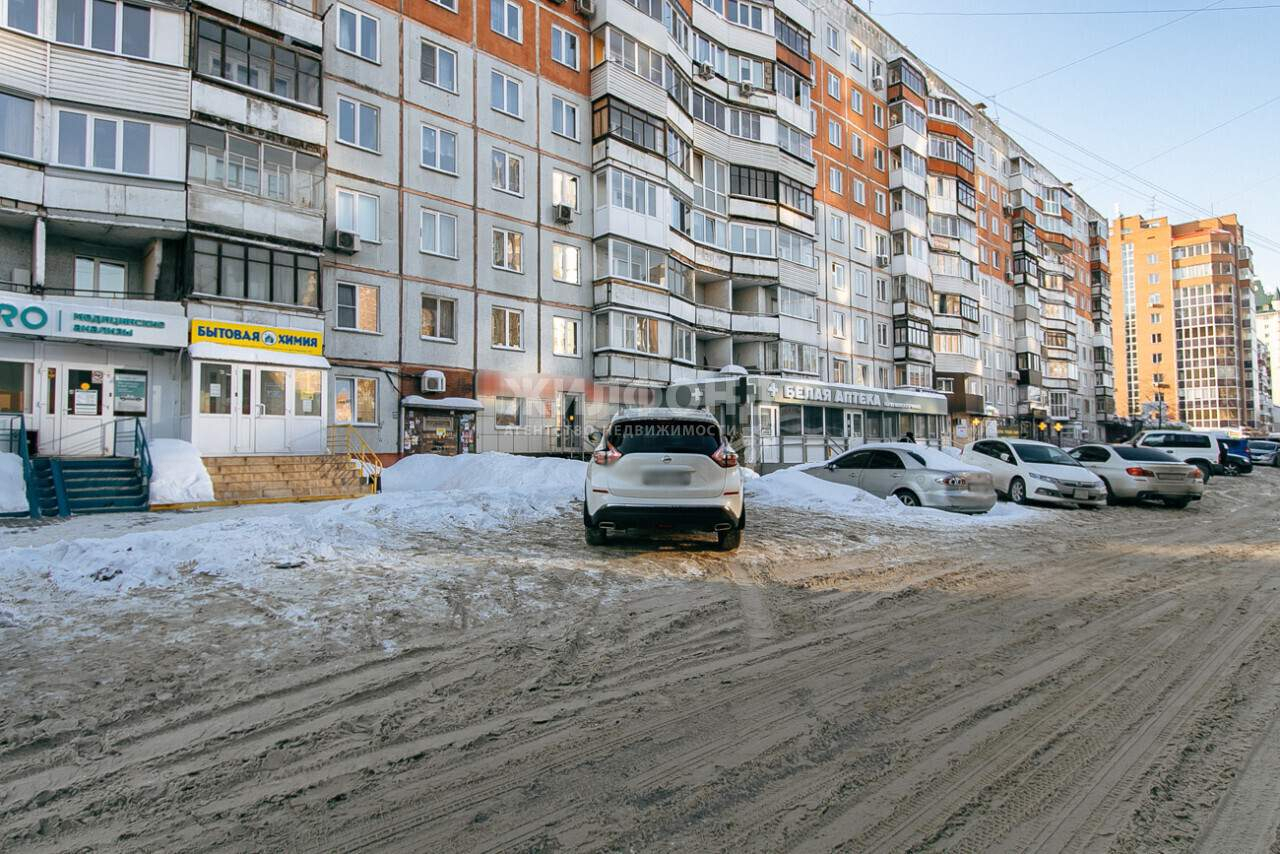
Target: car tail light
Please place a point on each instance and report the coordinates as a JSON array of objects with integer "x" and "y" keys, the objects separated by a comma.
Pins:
[
  {"x": 954, "y": 481},
  {"x": 726, "y": 458},
  {"x": 606, "y": 456},
  {"x": 1138, "y": 471}
]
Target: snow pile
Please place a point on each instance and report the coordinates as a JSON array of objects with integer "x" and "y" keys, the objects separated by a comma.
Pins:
[
  {"x": 483, "y": 472},
  {"x": 178, "y": 475},
  {"x": 13, "y": 486}
]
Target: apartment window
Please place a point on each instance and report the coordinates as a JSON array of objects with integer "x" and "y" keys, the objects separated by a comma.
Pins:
[
  {"x": 564, "y": 47},
  {"x": 231, "y": 55},
  {"x": 855, "y": 145},
  {"x": 439, "y": 67},
  {"x": 753, "y": 183},
  {"x": 636, "y": 127},
  {"x": 564, "y": 189},
  {"x": 437, "y": 318},
  {"x": 859, "y": 192},
  {"x": 879, "y": 158},
  {"x": 751, "y": 240},
  {"x": 565, "y": 263},
  {"x": 96, "y": 277},
  {"x": 838, "y": 328},
  {"x": 634, "y": 332},
  {"x": 682, "y": 344},
  {"x": 861, "y": 324},
  {"x": 506, "y": 18},
  {"x": 508, "y": 412},
  {"x": 860, "y": 236},
  {"x": 357, "y": 307},
  {"x": 1153, "y": 278},
  {"x": 507, "y": 172},
  {"x": 855, "y": 101},
  {"x": 860, "y": 282},
  {"x": 504, "y": 93},
  {"x": 566, "y": 337},
  {"x": 833, "y": 85},
  {"x": 237, "y": 271},
  {"x": 564, "y": 118},
  {"x": 358, "y": 124},
  {"x": 835, "y": 133},
  {"x": 833, "y": 39},
  {"x": 356, "y": 400},
  {"x": 621, "y": 258},
  {"x": 507, "y": 254},
  {"x": 109, "y": 26},
  {"x": 22, "y": 15},
  {"x": 358, "y": 212},
  {"x": 17, "y": 125},
  {"x": 102, "y": 142},
  {"x": 882, "y": 334},
  {"x": 439, "y": 234},
  {"x": 507, "y": 328},
  {"x": 244, "y": 165},
  {"x": 838, "y": 281},
  {"x": 1152, "y": 258},
  {"x": 439, "y": 150},
  {"x": 837, "y": 228},
  {"x": 835, "y": 180},
  {"x": 881, "y": 203},
  {"x": 877, "y": 115},
  {"x": 357, "y": 33}
]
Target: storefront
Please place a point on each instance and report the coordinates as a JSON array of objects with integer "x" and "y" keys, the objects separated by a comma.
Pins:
[
  {"x": 78, "y": 369},
  {"x": 256, "y": 389},
  {"x": 445, "y": 426},
  {"x": 780, "y": 421}
]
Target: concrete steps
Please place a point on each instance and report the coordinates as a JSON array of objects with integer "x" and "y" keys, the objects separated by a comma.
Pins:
[{"x": 283, "y": 478}]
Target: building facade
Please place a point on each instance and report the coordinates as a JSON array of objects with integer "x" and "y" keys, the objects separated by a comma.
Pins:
[
  {"x": 459, "y": 225},
  {"x": 1185, "y": 345}
]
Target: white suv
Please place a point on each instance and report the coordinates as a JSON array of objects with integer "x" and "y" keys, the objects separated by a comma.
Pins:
[
  {"x": 1197, "y": 449},
  {"x": 665, "y": 469}
]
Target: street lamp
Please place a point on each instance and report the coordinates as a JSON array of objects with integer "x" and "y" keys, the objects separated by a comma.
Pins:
[{"x": 1057, "y": 428}]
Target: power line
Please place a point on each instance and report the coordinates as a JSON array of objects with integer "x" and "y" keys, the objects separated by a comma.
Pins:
[
  {"x": 1074, "y": 12},
  {"x": 1109, "y": 47}
]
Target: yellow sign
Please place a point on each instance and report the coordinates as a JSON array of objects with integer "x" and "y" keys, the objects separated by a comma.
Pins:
[{"x": 260, "y": 337}]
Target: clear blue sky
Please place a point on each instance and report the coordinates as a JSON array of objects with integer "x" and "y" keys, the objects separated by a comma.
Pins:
[{"x": 1128, "y": 104}]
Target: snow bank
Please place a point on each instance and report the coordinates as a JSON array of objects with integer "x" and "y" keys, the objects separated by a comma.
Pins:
[
  {"x": 178, "y": 474},
  {"x": 483, "y": 472},
  {"x": 13, "y": 486}
]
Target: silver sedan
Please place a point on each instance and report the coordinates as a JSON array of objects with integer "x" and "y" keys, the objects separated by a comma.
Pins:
[
  {"x": 1142, "y": 474},
  {"x": 916, "y": 475}
]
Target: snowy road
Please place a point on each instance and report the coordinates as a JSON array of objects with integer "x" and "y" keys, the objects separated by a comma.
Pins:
[{"x": 432, "y": 672}]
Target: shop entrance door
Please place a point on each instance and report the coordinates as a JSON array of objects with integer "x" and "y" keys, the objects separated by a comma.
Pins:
[
  {"x": 76, "y": 415},
  {"x": 270, "y": 433},
  {"x": 243, "y": 402},
  {"x": 569, "y": 418},
  {"x": 767, "y": 434},
  {"x": 853, "y": 427}
]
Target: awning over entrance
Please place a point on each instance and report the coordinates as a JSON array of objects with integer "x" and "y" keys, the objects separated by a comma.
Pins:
[
  {"x": 462, "y": 404},
  {"x": 208, "y": 351}
]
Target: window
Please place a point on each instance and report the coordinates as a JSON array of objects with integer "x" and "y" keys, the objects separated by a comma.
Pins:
[
  {"x": 634, "y": 332},
  {"x": 835, "y": 133},
  {"x": 507, "y": 254},
  {"x": 627, "y": 191},
  {"x": 357, "y": 307},
  {"x": 437, "y": 320},
  {"x": 1153, "y": 278},
  {"x": 358, "y": 212},
  {"x": 877, "y": 115},
  {"x": 564, "y": 118},
  {"x": 96, "y": 277},
  {"x": 565, "y": 337},
  {"x": 795, "y": 248},
  {"x": 505, "y": 18},
  {"x": 648, "y": 63},
  {"x": 508, "y": 411},
  {"x": 835, "y": 180},
  {"x": 859, "y": 192},
  {"x": 838, "y": 328},
  {"x": 215, "y": 389},
  {"x": 882, "y": 334},
  {"x": 860, "y": 236},
  {"x": 255, "y": 63},
  {"x": 113, "y": 27},
  {"x": 862, "y": 329},
  {"x": 855, "y": 101},
  {"x": 565, "y": 260},
  {"x": 837, "y": 228},
  {"x": 636, "y": 127},
  {"x": 682, "y": 344},
  {"x": 833, "y": 85},
  {"x": 838, "y": 281},
  {"x": 507, "y": 172},
  {"x": 100, "y": 142},
  {"x": 357, "y": 124},
  {"x": 881, "y": 203},
  {"x": 564, "y": 47},
  {"x": 833, "y": 39},
  {"x": 746, "y": 14},
  {"x": 17, "y": 125},
  {"x": 752, "y": 183},
  {"x": 504, "y": 92},
  {"x": 791, "y": 36},
  {"x": 357, "y": 33},
  {"x": 439, "y": 234},
  {"x": 439, "y": 67},
  {"x": 860, "y": 282},
  {"x": 564, "y": 189},
  {"x": 623, "y": 259},
  {"x": 507, "y": 328},
  {"x": 237, "y": 271},
  {"x": 245, "y": 165},
  {"x": 439, "y": 150},
  {"x": 356, "y": 400},
  {"x": 751, "y": 240},
  {"x": 23, "y": 15}
]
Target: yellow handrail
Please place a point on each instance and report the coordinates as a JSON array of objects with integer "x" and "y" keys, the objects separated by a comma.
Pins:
[{"x": 343, "y": 439}]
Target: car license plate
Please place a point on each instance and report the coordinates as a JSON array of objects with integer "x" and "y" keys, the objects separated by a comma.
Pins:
[
  {"x": 666, "y": 478},
  {"x": 1082, "y": 494}
]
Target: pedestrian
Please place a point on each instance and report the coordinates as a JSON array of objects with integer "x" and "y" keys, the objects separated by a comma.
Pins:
[{"x": 910, "y": 437}]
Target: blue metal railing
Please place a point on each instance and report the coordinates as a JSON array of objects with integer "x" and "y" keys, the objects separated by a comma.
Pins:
[
  {"x": 16, "y": 436},
  {"x": 135, "y": 442}
]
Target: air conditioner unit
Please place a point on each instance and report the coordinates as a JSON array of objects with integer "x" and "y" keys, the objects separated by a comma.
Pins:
[
  {"x": 704, "y": 70},
  {"x": 563, "y": 214},
  {"x": 746, "y": 89},
  {"x": 346, "y": 241},
  {"x": 432, "y": 382},
  {"x": 882, "y": 260},
  {"x": 877, "y": 82},
  {"x": 585, "y": 7}
]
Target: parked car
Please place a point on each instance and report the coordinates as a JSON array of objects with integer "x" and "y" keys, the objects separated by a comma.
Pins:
[
  {"x": 1141, "y": 474},
  {"x": 1264, "y": 452},
  {"x": 1026, "y": 471},
  {"x": 1233, "y": 457},
  {"x": 1198, "y": 449},
  {"x": 664, "y": 469},
  {"x": 916, "y": 475}
]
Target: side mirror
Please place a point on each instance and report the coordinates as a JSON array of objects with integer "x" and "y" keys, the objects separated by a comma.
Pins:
[{"x": 830, "y": 467}]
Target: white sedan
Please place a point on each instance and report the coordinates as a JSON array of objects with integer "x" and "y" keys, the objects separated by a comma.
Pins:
[{"x": 1036, "y": 471}]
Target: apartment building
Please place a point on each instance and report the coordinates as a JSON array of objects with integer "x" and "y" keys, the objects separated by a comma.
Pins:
[
  {"x": 1185, "y": 345},
  {"x": 1266, "y": 334}
]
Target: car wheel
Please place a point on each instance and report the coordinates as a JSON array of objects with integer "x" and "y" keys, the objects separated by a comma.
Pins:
[
  {"x": 1176, "y": 503},
  {"x": 1111, "y": 496},
  {"x": 728, "y": 541},
  {"x": 1017, "y": 491},
  {"x": 1205, "y": 471},
  {"x": 907, "y": 497},
  {"x": 596, "y": 536},
  {"x": 1231, "y": 469}
]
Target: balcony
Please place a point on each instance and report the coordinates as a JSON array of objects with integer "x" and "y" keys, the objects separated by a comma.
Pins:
[
  {"x": 714, "y": 319},
  {"x": 969, "y": 404},
  {"x": 748, "y": 324}
]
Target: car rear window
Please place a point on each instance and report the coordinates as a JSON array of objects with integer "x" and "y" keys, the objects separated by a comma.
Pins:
[
  {"x": 1263, "y": 446},
  {"x": 665, "y": 437},
  {"x": 1149, "y": 455},
  {"x": 1043, "y": 454}
]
